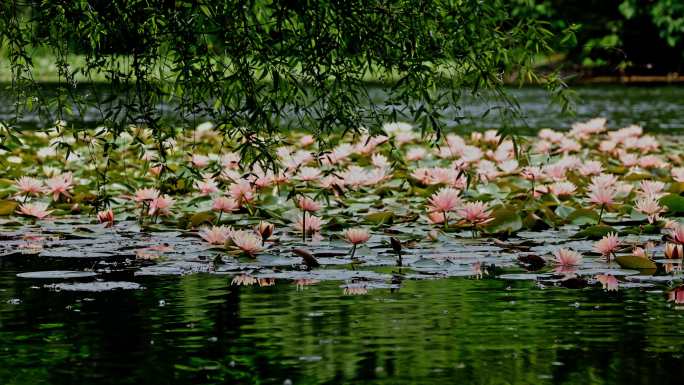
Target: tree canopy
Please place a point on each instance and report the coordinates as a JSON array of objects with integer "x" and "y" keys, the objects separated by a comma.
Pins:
[{"x": 247, "y": 65}]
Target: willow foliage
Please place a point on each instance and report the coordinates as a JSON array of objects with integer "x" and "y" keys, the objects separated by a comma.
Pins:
[{"x": 257, "y": 67}]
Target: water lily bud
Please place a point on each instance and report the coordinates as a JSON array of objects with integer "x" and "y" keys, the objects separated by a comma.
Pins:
[
  {"x": 107, "y": 217},
  {"x": 674, "y": 251},
  {"x": 265, "y": 229}
]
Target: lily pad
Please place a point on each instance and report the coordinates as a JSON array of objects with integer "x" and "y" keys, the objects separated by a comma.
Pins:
[
  {"x": 95, "y": 287},
  {"x": 595, "y": 232},
  {"x": 380, "y": 217},
  {"x": 8, "y": 207},
  {"x": 506, "y": 220},
  {"x": 674, "y": 203},
  {"x": 582, "y": 217},
  {"x": 202, "y": 218},
  {"x": 634, "y": 262},
  {"x": 56, "y": 274}
]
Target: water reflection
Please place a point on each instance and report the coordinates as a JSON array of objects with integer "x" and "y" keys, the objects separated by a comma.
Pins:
[{"x": 201, "y": 329}]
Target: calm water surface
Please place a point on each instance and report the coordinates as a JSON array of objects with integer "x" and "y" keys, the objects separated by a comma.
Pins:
[
  {"x": 200, "y": 329},
  {"x": 656, "y": 108}
]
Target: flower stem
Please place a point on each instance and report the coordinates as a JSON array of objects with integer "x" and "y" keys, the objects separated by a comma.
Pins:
[
  {"x": 353, "y": 251},
  {"x": 601, "y": 214},
  {"x": 218, "y": 220},
  {"x": 446, "y": 221},
  {"x": 303, "y": 226}
]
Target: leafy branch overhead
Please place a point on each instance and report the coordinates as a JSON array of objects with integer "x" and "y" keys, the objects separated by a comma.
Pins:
[{"x": 258, "y": 67}]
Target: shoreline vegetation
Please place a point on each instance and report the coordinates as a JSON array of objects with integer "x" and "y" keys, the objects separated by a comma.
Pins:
[{"x": 46, "y": 71}]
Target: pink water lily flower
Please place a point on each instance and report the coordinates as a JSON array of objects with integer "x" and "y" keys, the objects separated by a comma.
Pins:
[
  {"x": 107, "y": 217},
  {"x": 145, "y": 194},
  {"x": 199, "y": 161},
  {"x": 207, "y": 186},
  {"x": 678, "y": 174},
  {"x": 356, "y": 236},
  {"x": 161, "y": 205},
  {"x": 216, "y": 235},
  {"x": 242, "y": 191},
  {"x": 608, "y": 245},
  {"x": 37, "y": 210},
  {"x": 677, "y": 233},
  {"x": 608, "y": 281},
  {"x": 567, "y": 257},
  {"x": 475, "y": 213},
  {"x": 60, "y": 185},
  {"x": 445, "y": 200},
  {"x": 247, "y": 241},
  {"x": 436, "y": 217},
  {"x": 649, "y": 206},
  {"x": 308, "y": 224},
  {"x": 676, "y": 295},
  {"x": 29, "y": 186},
  {"x": 265, "y": 229},
  {"x": 308, "y": 204},
  {"x": 652, "y": 188},
  {"x": 562, "y": 188},
  {"x": 602, "y": 196},
  {"x": 224, "y": 205},
  {"x": 308, "y": 174},
  {"x": 416, "y": 153}
]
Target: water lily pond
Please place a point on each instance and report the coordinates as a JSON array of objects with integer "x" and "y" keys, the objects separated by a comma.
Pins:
[{"x": 383, "y": 257}]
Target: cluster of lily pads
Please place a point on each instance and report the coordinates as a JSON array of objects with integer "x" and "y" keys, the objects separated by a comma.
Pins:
[{"x": 571, "y": 207}]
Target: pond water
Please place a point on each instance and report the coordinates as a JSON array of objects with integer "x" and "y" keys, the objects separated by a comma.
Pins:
[
  {"x": 199, "y": 329},
  {"x": 656, "y": 108},
  {"x": 81, "y": 303}
]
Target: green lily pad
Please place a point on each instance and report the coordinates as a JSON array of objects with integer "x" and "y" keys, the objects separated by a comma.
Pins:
[
  {"x": 582, "y": 217},
  {"x": 202, "y": 218},
  {"x": 673, "y": 202},
  {"x": 564, "y": 211},
  {"x": 380, "y": 217},
  {"x": 634, "y": 262},
  {"x": 506, "y": 220},
  {"x": 8, "y": 207},
  {"x": 595, "y": 232}
]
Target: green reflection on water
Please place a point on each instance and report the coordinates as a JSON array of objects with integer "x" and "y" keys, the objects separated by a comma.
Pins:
[{"x": 198, "y": 329}]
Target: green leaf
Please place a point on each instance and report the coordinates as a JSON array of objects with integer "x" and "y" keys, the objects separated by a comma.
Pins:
[
  {"x": 202, "y": 218},
  {"x": 380, "y": 217},
  {"x": 506, "y": 220},
  {"x": 674, "y": 203},
  {"x": 595, "y": 232},
  {"x": 583, "y": 217},
  {"x": 8, "y": 207},
  {"x": 564, "y": 211},
  {"x": 634, "y": 262}
]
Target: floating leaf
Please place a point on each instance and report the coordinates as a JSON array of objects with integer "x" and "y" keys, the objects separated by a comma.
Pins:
[
  {"x": 8, "y": 207},
  {"x": 673, "y": 202},
  {"x": 506, "y": 220},
  {"x": 202, "y": 218},
  {"x": 634, "y": 262},
  {"x": 380, "y": 217},
  {"x": 595, "y": 232},
  {"x": 582, "y": 217}
]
